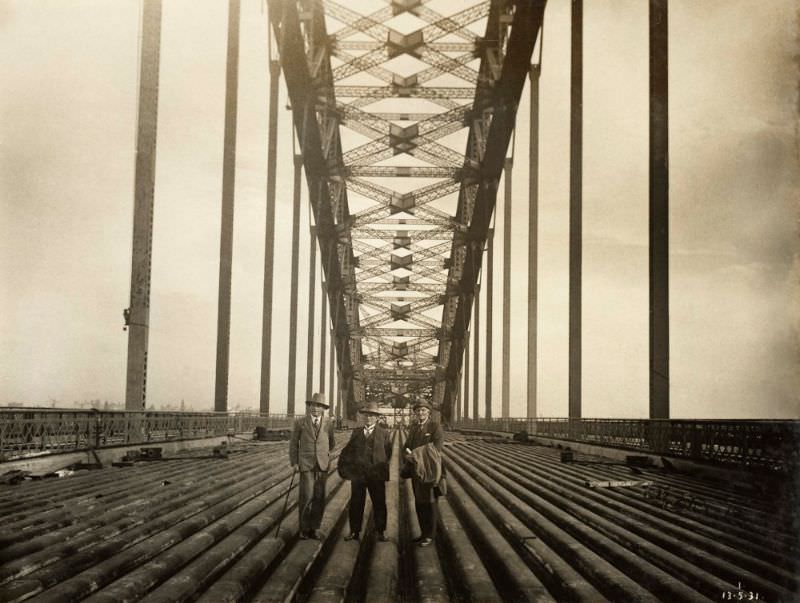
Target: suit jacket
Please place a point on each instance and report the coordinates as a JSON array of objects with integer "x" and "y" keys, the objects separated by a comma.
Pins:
[
  {"x": 308, "y": 449},
  {"x": 430, "y": 433},
  {"x": 367, "y": 458}
]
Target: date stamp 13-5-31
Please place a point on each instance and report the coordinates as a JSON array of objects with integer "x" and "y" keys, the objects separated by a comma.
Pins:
[{"x": 740, "y": 594}]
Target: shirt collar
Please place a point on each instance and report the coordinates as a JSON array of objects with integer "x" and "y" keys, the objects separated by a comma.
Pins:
[{"x": 368, "y": 429}]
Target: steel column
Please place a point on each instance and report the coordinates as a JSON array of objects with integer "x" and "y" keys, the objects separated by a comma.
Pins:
[
  {"x": 465, "y": 391},
  {"x": 331, "y": 365},
  {"x": 226, "y": 223},
  {"x": 659, "y": 211},
  {"x": 489, "y": 330},
  {"x": 137, "y": 315},
  {"x": 575, "y": 210},
  {"x": 533, "y": 239},
  {"x": 339, "y": 407},
  {"x": 298, "y": 167},
  {"x": 507, "y": 177},
  {"x": 312, "y": 284},
  {"x": 269, "y": 239},
  {"x": 323, "y": 335},
  {"x": 457, "y": 414},
  {"x": 477, "y": 352},
  {"x": 339, "y": 395}
]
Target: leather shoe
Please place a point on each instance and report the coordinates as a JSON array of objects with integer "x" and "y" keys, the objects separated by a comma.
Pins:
[
  {"x": 425, "y": 541},
  {"x": 416, "y": 540},
  {"x": 352, "y": 536},
  {"x": 303, "y": 535},
  {"x": 316, "y": 535},
  {"x": 380, "y": 536}
]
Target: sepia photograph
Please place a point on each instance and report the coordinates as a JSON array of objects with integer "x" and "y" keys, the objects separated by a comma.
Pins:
[{"x": 415, "y": 301}]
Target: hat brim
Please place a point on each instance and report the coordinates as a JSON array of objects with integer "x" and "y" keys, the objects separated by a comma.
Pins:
[
  {"x": 320, "y": 404},
  {"x": 365, "y": 411}
]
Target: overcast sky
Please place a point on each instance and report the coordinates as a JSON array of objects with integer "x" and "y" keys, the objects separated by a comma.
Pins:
[{"x": 69, "y": 70}]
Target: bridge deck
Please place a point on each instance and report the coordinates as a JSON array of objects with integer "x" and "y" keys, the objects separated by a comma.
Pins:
[{"x": 517, "y": 524}]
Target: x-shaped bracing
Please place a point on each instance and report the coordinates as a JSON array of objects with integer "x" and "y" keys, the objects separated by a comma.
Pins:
[{"x": 402, "y": 271}]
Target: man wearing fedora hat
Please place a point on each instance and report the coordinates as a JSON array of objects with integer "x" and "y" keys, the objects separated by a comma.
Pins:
[
  {"x": 367, "y": 457},
  {"x": 422, "y": 432},
  {"x": 309, "y": 451}
]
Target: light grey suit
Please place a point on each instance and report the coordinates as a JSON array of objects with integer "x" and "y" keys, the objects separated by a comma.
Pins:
[{"x": 309, "y": 449}]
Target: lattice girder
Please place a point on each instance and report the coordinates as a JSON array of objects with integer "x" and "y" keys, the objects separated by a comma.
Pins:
[
  {"x": 376, "y": 93},
  {"x": 390, "y": 265}
]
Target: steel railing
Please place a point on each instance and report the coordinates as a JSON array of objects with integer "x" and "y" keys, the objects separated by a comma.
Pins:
[
  {"x": 28, "y": 432},
  {"x": 773, "y": 445},
  {"x": 768, "y": 444}
]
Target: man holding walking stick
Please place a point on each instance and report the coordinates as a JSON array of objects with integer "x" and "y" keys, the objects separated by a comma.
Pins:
[{"x": 309, "y": 452}]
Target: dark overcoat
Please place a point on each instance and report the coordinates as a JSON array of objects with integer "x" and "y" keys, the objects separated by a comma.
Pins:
[
  {"x": 421, "y": 435},
  {"x": 430, "y": 433},
  {"x": 367, "y": 459}
]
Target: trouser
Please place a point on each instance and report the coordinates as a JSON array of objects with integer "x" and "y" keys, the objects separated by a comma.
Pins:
[
  {"x": 358, "y": 496},
  {"x": 427, "y": 516},
  {"x": 425, "y": 505},
  {"x": 311, "y": 504}
]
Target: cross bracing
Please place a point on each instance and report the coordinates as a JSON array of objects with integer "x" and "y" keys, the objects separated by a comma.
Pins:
[{"x": 410, "y": 112}]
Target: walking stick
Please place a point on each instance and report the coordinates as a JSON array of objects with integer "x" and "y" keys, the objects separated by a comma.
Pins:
[{"x": 285, "y": 502}]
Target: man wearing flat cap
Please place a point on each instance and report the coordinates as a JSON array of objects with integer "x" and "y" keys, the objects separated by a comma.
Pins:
[
  {"x": 365, "y": 462},
  {"x": 309, "y": 451},
  {"x": 424, "y": 432}
]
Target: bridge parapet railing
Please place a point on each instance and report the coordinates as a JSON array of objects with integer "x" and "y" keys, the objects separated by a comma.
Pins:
[
  {"x": 768, "y": 444},
  {"x": 32, "y": 432}
]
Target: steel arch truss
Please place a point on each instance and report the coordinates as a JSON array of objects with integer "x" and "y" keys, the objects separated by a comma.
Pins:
[{"x": 381, "y": 102}]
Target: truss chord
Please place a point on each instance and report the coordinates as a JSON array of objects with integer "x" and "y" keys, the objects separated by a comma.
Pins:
[{"x": 302, "y": 48}]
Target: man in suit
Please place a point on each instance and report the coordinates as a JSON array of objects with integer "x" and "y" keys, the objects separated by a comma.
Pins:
[
  {"x": 309, "y": 451},
  {"x": 368, "y": 451},
  {"x": 422, "y": 432}
]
